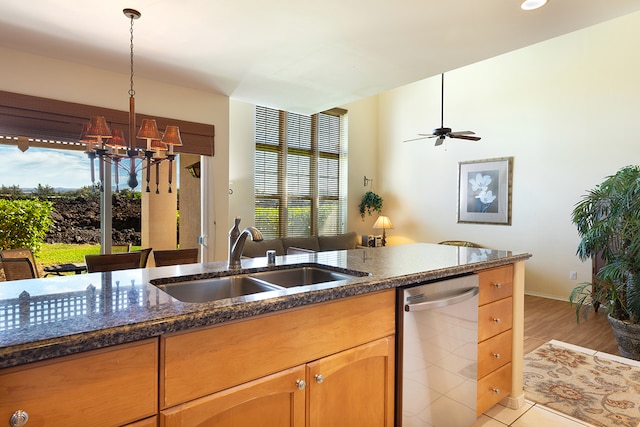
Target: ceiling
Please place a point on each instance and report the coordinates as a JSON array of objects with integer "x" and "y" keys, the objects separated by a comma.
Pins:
[{"x": 296, "y": 55}]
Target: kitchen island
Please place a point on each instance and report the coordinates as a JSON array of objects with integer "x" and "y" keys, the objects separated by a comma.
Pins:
[{"x": 44, "y": 321}]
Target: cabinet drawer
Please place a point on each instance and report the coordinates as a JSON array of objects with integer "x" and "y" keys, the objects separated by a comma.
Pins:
[
  {"x": 106, "y": 387},
  {"x": 494, "y": 318},
  {"x": 204, "y": 361},
  {"x": 494, "y": 353},
  {"x": 493, "y": 388},
  {"x": 495, "y": 284}
]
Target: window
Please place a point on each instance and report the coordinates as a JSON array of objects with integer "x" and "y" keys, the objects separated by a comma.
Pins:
[{"x": 300, "y": 173}]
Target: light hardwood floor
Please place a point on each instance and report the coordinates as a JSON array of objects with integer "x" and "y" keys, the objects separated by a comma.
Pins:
[{"x": 546, "y": 319}]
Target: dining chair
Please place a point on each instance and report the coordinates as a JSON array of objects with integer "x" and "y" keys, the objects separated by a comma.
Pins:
[
  {"x": 463, "y": 243},
  {"x": 21, "y": 253},
  {"x": 112, "y": 262},
  {"x": 175, "y": 256},
  {"x": 144, "y": 256},
  {"x": 18, "y": 268},
  {"x": 116, "y": 249}
]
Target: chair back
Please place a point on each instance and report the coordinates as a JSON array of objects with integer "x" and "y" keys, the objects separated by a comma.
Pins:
[
  {"x": 21, "y": 253},
  {"x": 18, "y": 268},
  {"x": 116, "y": 249},
  {"x": 463, "y": 243},
  {"x": 144, "y": 256},
  {"x": 112, "y": 262},
  {"x": 175, "y": 257}
]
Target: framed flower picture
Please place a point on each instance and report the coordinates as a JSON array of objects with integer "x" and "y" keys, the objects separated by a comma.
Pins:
[{"x": 484, "y": 191}]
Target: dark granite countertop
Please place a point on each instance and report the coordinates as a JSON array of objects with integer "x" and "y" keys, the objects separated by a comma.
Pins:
[{"x": 55, "y": 316}]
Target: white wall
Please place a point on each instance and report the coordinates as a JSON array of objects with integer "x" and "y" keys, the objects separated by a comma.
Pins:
[
  {"x": 566, "y": 110},
  {"x": 50, "y": 78}
]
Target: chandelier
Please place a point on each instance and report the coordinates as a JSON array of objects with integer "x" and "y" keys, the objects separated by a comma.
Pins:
[{"x": 111, "y": 147}]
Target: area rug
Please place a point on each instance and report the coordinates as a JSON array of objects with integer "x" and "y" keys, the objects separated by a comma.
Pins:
[{"x": 591, "y": 388}]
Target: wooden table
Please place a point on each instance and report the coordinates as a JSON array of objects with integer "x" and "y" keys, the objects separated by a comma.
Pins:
[{"x": 72, "y": 267}]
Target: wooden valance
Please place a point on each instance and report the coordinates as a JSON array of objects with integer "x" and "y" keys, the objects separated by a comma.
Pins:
[{"x": 49, "y": 119}]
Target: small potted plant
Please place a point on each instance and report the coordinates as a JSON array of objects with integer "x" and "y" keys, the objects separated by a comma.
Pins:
[
  {"x": 370, "y": 203},
  {"x": 608, "y": 223}
]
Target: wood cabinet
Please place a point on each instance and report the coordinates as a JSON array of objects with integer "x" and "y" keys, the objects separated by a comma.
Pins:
[
  {"x": 354, "y": 387},
  {"x": 495, "y": 336},
  {"x": 109, "y": 387},
  {"x": 343, "y": 351}
]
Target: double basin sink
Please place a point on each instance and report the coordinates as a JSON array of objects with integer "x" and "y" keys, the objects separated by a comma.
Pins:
[{"x": 218, "y": 288}]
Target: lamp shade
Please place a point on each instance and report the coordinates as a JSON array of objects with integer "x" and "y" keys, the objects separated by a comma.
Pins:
[
  {"x": 157, "y": 145},
  {"x": 149, "y": 130},
  {"x": 117, "y": 139},
  {"x": 383, "y": 222},
  {"x": 98, "y": 128}
]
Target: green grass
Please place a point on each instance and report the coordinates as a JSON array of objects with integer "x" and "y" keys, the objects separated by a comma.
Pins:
[{"x": 62, "y": 253}]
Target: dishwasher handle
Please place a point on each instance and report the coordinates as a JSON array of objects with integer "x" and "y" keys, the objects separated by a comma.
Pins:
[{"x": 444, "y": 302}]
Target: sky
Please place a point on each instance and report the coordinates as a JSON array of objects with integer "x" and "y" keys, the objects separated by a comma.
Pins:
[{"x": 56, "y": 168}]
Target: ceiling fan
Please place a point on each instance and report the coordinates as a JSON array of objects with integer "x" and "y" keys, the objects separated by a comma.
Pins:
[{"x": 442, "y": 132}]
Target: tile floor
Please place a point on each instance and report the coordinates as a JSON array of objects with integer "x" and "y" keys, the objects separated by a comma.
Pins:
[{"x": 534, "y": 415}]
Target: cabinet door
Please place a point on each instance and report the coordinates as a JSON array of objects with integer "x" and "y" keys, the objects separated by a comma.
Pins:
[
  {"x": 100, "y": 388},
  {"x": 275, "y": 400},
  {"x": 353, "y": 388}
]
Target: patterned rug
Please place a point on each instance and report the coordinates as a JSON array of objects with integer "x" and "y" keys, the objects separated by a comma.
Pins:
[{"x": 591, "y": 388}]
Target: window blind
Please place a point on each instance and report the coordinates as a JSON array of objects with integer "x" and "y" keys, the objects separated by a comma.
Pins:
[{"x": 300, "y": 173}]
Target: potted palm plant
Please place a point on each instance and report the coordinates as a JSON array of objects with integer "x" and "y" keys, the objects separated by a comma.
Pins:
[{"x": 608, "y": 223}]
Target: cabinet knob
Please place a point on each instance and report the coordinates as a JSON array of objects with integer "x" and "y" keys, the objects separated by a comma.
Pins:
[
  {"x": 496, "y": 355},
  {"x": 496, "y": 319},
  {"x": 495, "y": 390},
  {"x": 19, "y": 418},
  {"x": 497, "y": 285},
  {"x": 301, "y": 384},
  {"x": 319, "y": 378}
]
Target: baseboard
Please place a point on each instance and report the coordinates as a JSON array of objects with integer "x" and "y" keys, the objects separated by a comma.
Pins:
[
  {"x": 513, "y": 402},
  {"x": 555, "y": 297}
]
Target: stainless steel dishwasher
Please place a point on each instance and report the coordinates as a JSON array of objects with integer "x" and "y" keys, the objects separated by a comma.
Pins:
[{"x": 438, "y": 353}]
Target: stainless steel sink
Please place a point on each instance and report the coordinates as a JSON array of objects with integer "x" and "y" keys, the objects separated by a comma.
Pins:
[
  {"x": 301, "y": 276},
  {"x": 218, "y": 288}
]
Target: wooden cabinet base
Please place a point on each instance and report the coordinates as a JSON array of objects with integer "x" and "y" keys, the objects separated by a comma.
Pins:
[
  {"x": 493, "y": 388},
  {"x": 108, "y": 387}
]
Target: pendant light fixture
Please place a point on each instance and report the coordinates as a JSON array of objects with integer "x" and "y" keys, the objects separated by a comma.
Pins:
[{"x": 112, "y": 147}]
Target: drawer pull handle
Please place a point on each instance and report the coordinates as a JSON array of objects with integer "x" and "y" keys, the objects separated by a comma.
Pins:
[
  {"x": 497, "y": 285},
  {"x": 496, "y": 355},
  {"x": 496, "y": 319},
  {"x": 19, "y": 418},
  {"x": 495, "y": 390},
  {"x": 301, "y": 384},
  {"x": 319, "y": 378}
]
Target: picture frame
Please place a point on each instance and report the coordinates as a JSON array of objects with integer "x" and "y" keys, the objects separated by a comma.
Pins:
[{"x": 484, "y": 191}]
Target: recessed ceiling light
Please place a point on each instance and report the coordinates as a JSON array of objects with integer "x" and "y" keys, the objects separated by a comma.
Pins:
[{"x": 532, "y": 4}]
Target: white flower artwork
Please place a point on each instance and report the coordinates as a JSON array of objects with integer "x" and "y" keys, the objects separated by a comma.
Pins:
[{"x": 484, "y": 191}]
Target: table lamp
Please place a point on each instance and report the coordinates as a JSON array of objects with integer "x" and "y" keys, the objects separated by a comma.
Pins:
[{"x": 384, "y": 223}]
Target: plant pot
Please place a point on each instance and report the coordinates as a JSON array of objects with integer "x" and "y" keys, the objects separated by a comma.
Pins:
[{"x": 627, "y": 336}]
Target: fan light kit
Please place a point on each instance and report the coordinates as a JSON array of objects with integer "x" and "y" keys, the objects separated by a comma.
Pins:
[
  {"x": 532, "y": 4},
  {"x": 442, "y": 132}
]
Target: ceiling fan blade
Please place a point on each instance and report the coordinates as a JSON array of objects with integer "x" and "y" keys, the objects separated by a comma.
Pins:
[
  {"x": 470, "y": 138},
  {"x": 462, "y": 132},
  {"x": 440, "y": 140},
  {"x": 427, "y": 135},
  {"x": 417, "y": 139}
]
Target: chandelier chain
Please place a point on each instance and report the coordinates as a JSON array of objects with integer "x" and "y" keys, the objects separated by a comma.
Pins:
[{"x": 131, "y": 91}]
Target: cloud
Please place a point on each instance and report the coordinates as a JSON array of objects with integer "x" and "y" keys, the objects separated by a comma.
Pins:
[{"x": 56, "y": 168}]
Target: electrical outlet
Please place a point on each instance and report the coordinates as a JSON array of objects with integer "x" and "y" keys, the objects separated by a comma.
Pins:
[{"x": 573, "y": 275}]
